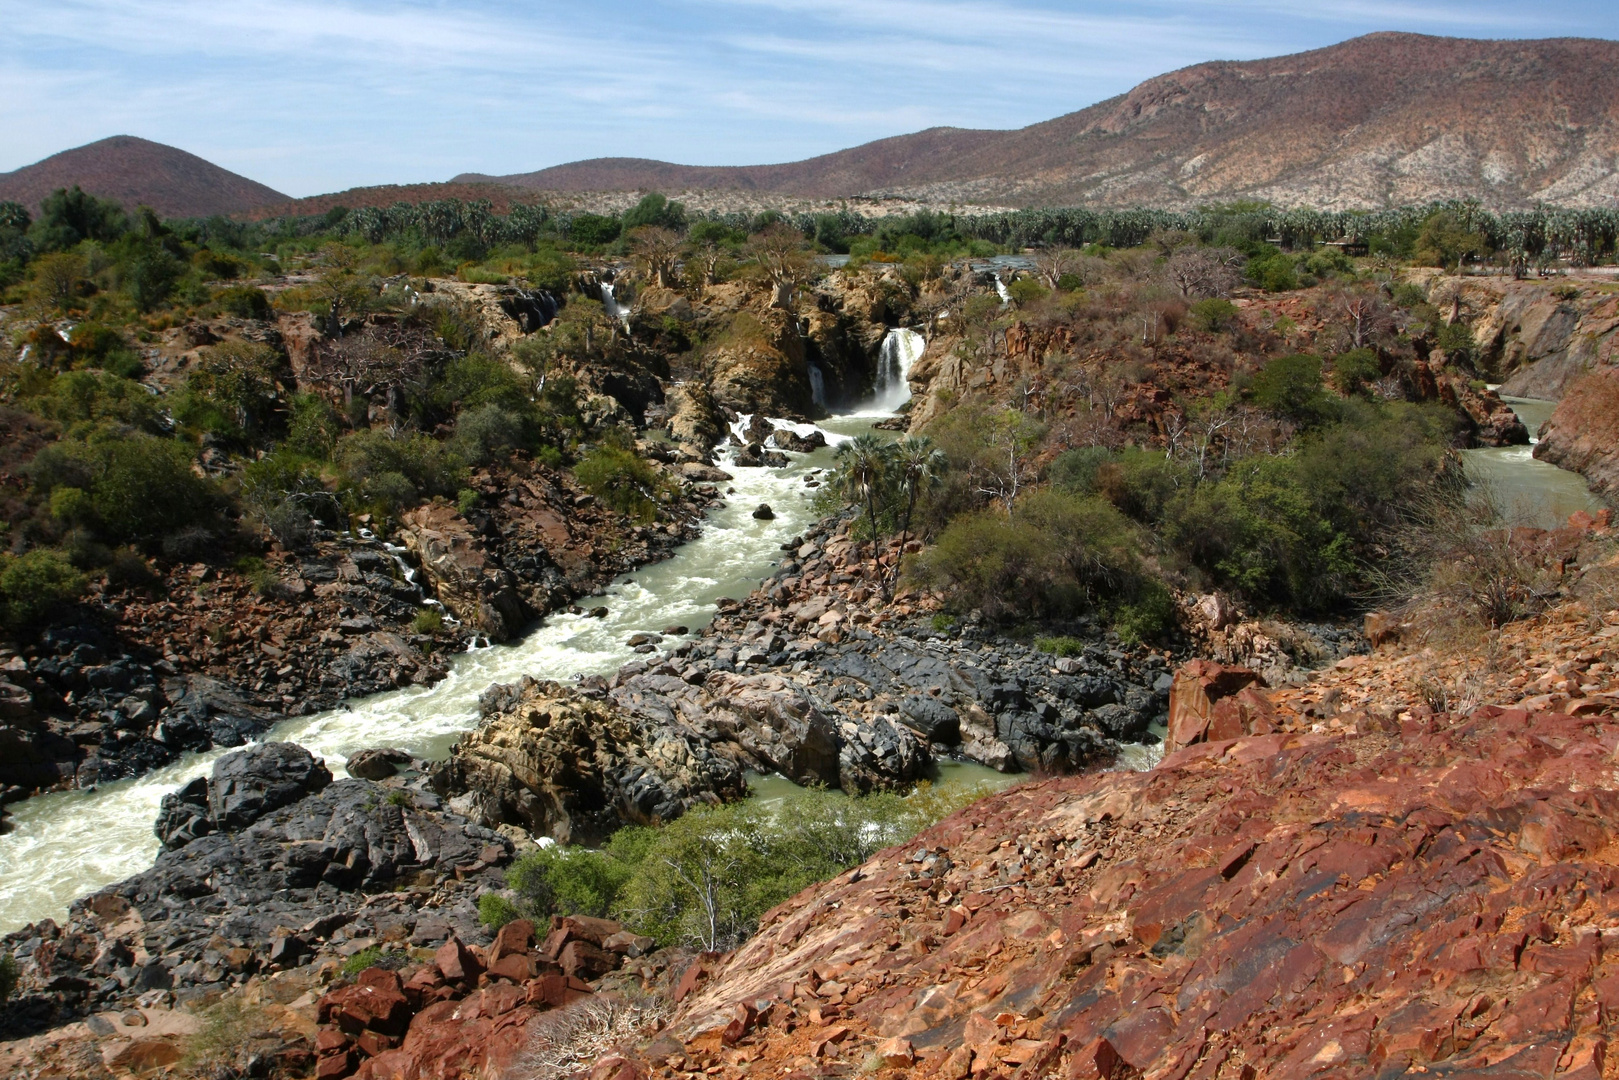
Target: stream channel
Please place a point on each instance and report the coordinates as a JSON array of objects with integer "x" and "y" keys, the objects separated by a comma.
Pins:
[{"x": 1528, "y": 491}]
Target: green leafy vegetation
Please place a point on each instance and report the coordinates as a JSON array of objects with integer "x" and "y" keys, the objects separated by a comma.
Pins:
[{"x": 704, "y": 879}]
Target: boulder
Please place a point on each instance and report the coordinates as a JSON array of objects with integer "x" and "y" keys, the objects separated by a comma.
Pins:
[
  {"x": 575, "y": 768},
  {"x": 247, "y": 784},
  {"x": 1199, "y": 686},
  {"x": 377, "y": 764},
  {"x": 466, "y": 577}
]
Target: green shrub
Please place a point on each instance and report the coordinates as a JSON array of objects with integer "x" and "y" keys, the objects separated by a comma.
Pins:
[
  {"x": 1055, "y": 555},
  {"x": 1353, "y": 370},
  {"x": 466, "y": 499},
  {"x": 314, "y": 428},
  {"x": 486, "y": 433},
  {"x": 398, "y": 470},
  {"x": 1076, "y": 471},
  {"x": 429, "y": 620},
  {"x": 942, "y": 623},
  {"x": 621, "y": 479},
  {"x": 594, "y": 230},
  {"x": 233, "y": 392},
  {"x": 1457, "y": 340},
  {"x": 140, "y": 487},
  {"x": 36, "y": 584},
  {"x": 495, "y": 911},
  {"x": 704, "y": 879},
  {"x": 1214, "y": 314},
  {"x": 1272, "y": 271},
  {"x": 1026, "y": 291},
  {"x": 75, "y": 397},
  {"x": 1148, "y": 617},
  {"x": 1060, "y": 646},
  {"x": 1290, "y": 387},
  {"x": 244, "y": 301}
]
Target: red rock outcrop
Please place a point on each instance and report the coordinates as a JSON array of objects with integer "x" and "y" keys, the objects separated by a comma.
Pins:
[
  {"x": 1211, "y": 701},
  {"x": 1583, "y": 434},
  {"x": 1430, "y": 897},
  {"x": 466, "y": 1013}
]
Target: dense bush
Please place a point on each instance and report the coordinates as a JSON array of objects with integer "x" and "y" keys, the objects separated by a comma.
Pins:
[
  {"x": 1054, "y": 556},
  {"x": 75, "y": 397},
  {"x": 704, "y": 879},
  {"x": 621, "y": 479},
  {"x": 33, "y": 585},
  {"x": 396, "y": 470},
  {"x": 139, "y": 487},
  {"x": 244, "y": 301}
]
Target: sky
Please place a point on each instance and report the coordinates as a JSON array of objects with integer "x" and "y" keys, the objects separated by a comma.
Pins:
[{"x": 313, "y": 96}]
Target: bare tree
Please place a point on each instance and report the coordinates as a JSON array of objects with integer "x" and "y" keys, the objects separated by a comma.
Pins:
[
  {"x": 656, "y": 251},
  {"x": 1365, "y": 316},
  {"x": 1203, "y": 272},
  {"x": 1052, "y": 264},
  {"x": 780, "y": 255}
]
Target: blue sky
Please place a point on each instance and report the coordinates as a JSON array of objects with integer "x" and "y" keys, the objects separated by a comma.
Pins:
[{"x": 311, "y": 96}]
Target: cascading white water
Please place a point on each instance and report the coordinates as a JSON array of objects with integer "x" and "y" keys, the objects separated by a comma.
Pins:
[
  {"x": 817, "y": 383},
  {"x": 1000, "y": 289},
  {"x": 69, "y": 844},
  {"x": 900, "y": 349},
  {"x": 612, "y": 307}
]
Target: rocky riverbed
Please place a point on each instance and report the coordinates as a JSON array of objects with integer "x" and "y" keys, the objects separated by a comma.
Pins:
[
  {"x": 214, "y": 655},
  {"x": 815, "y": 676}
]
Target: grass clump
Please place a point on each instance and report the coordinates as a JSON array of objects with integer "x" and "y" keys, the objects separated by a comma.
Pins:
[{"x": 365, "y": 958}]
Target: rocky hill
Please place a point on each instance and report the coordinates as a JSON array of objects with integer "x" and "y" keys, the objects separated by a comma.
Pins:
[
  {"x": 138, "y": 172},
  {"x": 1378, "y": 120}
]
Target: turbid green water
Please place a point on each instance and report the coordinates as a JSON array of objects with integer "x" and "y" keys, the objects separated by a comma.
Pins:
[{"x": 1528, "y": 491}]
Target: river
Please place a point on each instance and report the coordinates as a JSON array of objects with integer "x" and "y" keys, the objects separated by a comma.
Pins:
[
  {"x": 1528, "y": 491},
  {"x": 65, "y": 845}
]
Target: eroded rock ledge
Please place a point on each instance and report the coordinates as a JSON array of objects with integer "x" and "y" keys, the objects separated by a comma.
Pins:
[{"x": 1427, "y": 894}]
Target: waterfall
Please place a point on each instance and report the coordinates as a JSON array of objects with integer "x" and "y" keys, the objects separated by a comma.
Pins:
[
  {"x": 817, "y": 383},
  {"x": 1000, "y": 288},
  {"x": 899, "y": 351},
  {"x": 614, "y": 309}
]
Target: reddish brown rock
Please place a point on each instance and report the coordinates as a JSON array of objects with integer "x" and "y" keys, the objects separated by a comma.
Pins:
[
  {"x": 513, "y": 939},
  {"x": 583, "y": 960},
  {"x": 376, "y": 1002},
  {"x": 1271, "y": 905},
  {"x": 456, "y": 962},
  {"x": 1200, "y": 687}
]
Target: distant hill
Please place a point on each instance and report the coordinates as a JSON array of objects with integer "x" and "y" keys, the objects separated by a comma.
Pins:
[
  {"x": 500, "y": 196},
  {"x": 137, "y": 172},
  {"x": 1378, "y": 120}
]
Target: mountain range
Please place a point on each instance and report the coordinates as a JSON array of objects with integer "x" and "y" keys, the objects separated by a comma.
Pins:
[{"x": 1378, "y": 120}]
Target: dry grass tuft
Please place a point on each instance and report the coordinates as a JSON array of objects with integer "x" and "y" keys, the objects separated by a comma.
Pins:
[{"x": 575, "y": 1037}]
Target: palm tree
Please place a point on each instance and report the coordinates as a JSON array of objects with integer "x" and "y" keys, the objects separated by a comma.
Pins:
[
  {"x": 863, "y": 464},
  {"x": 917, "y": 465}
]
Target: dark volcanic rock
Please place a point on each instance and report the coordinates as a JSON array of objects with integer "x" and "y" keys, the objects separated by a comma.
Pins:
[
  {"x": 246, "y": 786},
  {"x": 268, "y": 850}
]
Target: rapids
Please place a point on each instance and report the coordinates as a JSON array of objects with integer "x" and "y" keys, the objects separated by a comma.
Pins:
[{"x": 1526, "y": 490}]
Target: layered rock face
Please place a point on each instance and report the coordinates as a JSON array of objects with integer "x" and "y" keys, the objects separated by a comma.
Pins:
[
  {"x": 1421, "y": 896},
  {"x": 1583, "y": 434},
  {"x": 473, "y": 586}
]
